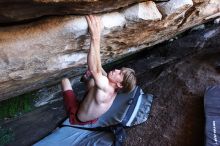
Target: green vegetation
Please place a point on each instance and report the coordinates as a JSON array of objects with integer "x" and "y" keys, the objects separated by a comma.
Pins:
[
  {"x": 6, "y": 135},
  {"x": 16, "y": 106}
]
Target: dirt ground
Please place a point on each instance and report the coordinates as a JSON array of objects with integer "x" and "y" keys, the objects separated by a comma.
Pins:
[{"x": 177, "y": 117}]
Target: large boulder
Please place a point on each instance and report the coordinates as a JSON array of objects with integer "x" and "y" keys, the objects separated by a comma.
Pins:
[
  {"x": 39, "y": 53},
  {"x": 13, "y": 10}
]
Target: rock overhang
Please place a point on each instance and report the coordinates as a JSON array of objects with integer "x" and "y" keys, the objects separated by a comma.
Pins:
[{"x": 39, "y": 53}]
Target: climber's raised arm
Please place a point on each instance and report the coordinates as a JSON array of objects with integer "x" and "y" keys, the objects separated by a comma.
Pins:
[{"x": 94, "y": 58}]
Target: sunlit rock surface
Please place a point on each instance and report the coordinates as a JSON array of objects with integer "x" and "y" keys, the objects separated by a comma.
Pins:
[
  {"x": 40, "y": 53},
  {"x": 175, "y": 6},
  {"x": 143, "y": 11}
]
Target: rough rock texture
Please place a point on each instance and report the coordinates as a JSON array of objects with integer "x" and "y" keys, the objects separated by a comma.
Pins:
[
  {"x": 36, "y": 54},
  {"x": 13, "y": 10}
]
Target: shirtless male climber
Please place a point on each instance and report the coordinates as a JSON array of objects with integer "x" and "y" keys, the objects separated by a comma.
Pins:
[{"x": 102, "y": 88}]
